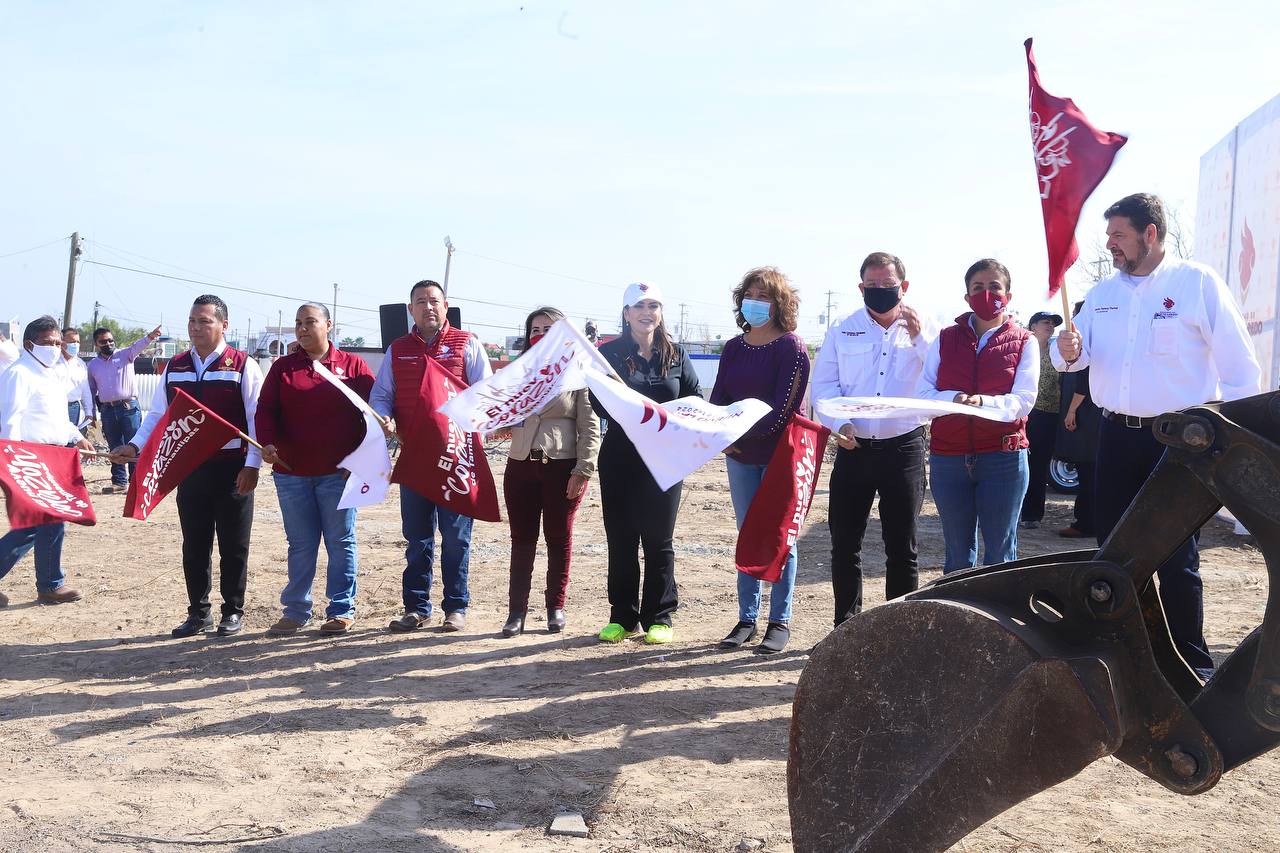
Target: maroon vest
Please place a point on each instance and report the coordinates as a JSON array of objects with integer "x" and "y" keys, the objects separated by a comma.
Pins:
[
  {"x": 990, "y": 372},
  {"x": 408, "y": 356},
  {"x": 218, "y": 389}
]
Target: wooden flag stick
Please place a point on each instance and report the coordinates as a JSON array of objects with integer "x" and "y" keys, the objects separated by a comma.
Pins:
[
  {"x": 1066, "y": 305},
  {"x": 281, "y": 462},
  {"x": 93, "y": 453}
]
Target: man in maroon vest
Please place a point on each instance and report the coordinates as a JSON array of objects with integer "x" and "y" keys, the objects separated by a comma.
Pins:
[
  {"x": 217, "y": 498},
  {"x": 396, "y": 395}
]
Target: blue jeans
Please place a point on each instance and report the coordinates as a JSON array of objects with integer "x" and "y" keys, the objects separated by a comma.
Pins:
[
  {"x": 744, "y": 482},
  {"x": 47, "y": 540},
  {"x": 418, "y": 520},
  {"x": 309, "y": 507},
  {"x": 119, "y": 423},
  {"x": 73, "y": 413},
  {"x": 979, "y": 490}
]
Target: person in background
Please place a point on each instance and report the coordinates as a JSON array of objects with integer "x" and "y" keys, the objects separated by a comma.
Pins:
[
  {"x": 768, "y": 362},
  {"x": 306, "y": 427},
  {"x": 79, "y": 395},
  {"x": 395, "y": 396},
  {"x": 877, "y": 351},
  {"x": 978, "y": 467},
  {"x": 8, "y": 353},
  {"x": 112, "y": 381},
  {"x": 1078, "y": 444},
  {"x": 33, "y": 407},
  {"x": 551, "y": 460},
  {"x": 638, "y": 514},
  {"x": 1042, "y": 424},
  {"x": 1160, "y": 334},
  {"x": 217, "y": 497}
]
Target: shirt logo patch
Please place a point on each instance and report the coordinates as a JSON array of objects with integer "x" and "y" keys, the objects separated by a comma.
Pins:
[
  {"x": 853, "y": 334},
  {"x": 338, "y": 370},
  {"x": 1168, "y": 304},
  {"x": 227, "y": 362}
]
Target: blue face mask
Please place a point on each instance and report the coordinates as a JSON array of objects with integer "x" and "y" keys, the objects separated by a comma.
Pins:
[
  {"x": 755, "y": 312},
  {"x": 73, "y": 350}
]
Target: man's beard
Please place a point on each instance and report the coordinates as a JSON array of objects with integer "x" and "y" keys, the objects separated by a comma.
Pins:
[{"x": 1129, "y": 265}]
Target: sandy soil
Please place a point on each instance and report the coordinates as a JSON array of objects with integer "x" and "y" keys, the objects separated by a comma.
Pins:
[{"x": 116, "y": 737}]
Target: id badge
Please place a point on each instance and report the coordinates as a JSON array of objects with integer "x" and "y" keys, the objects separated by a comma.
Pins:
[{"x": 1009, "y": 443}]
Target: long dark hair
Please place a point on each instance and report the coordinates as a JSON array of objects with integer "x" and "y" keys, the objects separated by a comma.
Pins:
[
  {"x": 555, "y": 315},
  {"x": 663, "y": 346}
]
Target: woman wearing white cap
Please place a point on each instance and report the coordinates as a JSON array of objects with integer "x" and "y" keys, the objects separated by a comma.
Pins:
[{"x": 636, "y": 512}]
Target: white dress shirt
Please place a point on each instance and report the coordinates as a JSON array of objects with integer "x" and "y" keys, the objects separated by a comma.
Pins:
[
  {"x": 1163, "y": 341},
  {"x": 33, "y": 404},
  {"x": 76, "y": 377},
  {"x": 1015, "y": 405},
  {"x": 475, "y": 363},
  {"x": 250, "y": 387},
  {"x": 8, "y": 354},
  {"x": 861, "y": 358}
]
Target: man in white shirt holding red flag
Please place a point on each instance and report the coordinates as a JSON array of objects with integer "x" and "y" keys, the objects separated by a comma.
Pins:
[{"x": 1160, "y": 334}]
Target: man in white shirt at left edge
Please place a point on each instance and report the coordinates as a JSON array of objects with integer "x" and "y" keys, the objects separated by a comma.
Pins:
[
  {"x": 33, "y": 407},
  {"x": 1160, "y": 334}
]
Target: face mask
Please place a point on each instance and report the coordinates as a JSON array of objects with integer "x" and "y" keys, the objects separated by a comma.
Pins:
[
  {"x": 533, "y": 339},
  {"x": 73, "y": 350},
  {"x": 106, "y": 351},
  {"x": 46, "y": 355},
  {"x": 988, "y": 304},
  {"x": 881, "y": 299},
  {"x": 755, "y": 312}
]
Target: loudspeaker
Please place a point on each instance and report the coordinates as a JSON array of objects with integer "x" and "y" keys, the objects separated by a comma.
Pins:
[
  {"x": 455, "y": 316},
  {"x": 395, "y": 322}
]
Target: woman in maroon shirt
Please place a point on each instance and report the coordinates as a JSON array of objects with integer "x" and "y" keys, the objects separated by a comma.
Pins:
[
  {"x": 306, "y": 424},
  {"x": 770, "y": 363}
]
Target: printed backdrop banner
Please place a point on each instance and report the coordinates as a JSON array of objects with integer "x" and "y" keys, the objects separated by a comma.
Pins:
[
  {"x": 781, "y": 504},
  {"x": 186, "y": 436},
  {"x": 552, "y": 366},
  {"x": 677, "y": 438},
  {"x": 874, "y": 408},
  {"x": 439, "y": 460},
  {"x": 370, "y": 462},
  {"x": 43, "y": 484}
]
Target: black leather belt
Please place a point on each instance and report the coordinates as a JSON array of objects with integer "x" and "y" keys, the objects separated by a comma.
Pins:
[
  {"x": 1130, "y": 421},
  {"x": 896, "y": 441},
  {"x": 112, "y": 404}
]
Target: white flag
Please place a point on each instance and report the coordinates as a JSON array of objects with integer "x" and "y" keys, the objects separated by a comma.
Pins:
[
  {"x": 677, "y": 438},
  {"x": 550, "y": 367},
  {"x": 370, "y": 463},
  {"x": 847, "y": 408}
]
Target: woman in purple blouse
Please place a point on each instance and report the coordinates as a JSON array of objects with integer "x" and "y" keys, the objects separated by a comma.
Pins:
[{"x": 770, "y": 363}]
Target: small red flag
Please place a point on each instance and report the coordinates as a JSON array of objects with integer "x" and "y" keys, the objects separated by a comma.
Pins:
[
  {"x": 441, "y": 462},
  {"x": 1072, "y": 157},
  {"x": 43, "y": 484},
  {"x": 779, "y": 508},
  {"x": 186, "y": 436}
]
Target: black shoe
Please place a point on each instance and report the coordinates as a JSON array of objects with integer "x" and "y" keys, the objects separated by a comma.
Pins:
[
  {"x": 229, "y": 625},
  {"x": 775, "y": 639},
  {"x": 555, "y": 620},
  {"x": 514, "y": 626},
  {"x": 743, "y": 632},
  {"x": 194, "y": 625}
]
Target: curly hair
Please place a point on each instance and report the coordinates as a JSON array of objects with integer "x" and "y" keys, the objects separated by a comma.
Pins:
[{"x": 786, "y": 302}]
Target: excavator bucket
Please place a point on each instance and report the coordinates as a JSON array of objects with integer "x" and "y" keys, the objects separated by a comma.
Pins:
[{"x": 917, "y": 721}]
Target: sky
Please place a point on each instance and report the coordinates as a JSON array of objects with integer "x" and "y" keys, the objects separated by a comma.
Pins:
[{"x": 569, "y": 148}]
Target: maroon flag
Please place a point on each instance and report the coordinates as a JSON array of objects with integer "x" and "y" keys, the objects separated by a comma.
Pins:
[
  {"x": 1072, "y": 157},
  {"x": 779, "y": 508},
  {"x": 43, "y": 484},
  {"x": 441, "y": 462},
  {"x": 186, "y": 436}
]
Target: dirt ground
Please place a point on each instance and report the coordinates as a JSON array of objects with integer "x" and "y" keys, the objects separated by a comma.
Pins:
[{"x": 115, "y": 737}]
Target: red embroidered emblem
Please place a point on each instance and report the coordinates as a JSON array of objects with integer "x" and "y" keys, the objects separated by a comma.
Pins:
[{"x": 1168, "y": 304}]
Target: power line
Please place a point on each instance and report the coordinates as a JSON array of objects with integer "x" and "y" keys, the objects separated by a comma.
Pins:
[{"x": 33, "y": 248}]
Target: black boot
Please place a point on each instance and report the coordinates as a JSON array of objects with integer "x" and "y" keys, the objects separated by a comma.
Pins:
[
  {"x": 555, "y": 620},
  {"x": 743, "y": 632},
  {"x": 775, "y": 639},
  {"x": 514, "y": 626}
]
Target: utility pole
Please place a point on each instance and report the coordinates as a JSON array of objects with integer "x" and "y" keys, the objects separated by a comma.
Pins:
[
  {"x": 96, "y": 306},
  {"x": 830, "y": 293},
  {"x": 71, "y": 278},
  {"x": 335, "y": 312},
  {"x": 279, "y": 332},
  {"x": 683, "y": 306},
  {"x": 448, "y": 262},
  {"x": 248, "y": 338}
]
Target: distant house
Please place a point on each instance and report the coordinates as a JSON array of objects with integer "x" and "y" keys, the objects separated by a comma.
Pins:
[{"x": 272, "y": 341}]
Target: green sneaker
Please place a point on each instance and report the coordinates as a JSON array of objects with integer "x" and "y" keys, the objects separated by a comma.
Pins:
[
  {"x": 658, "y": 635},
  {"x": 613, "y": 633}
]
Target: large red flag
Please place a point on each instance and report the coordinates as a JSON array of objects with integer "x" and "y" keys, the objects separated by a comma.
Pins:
[
  {"x": 779, "y": 508},
  {"x": 186, "y": 436},
  {"x": 43, "y": 484},
  {"x": 441, "y": 462},
  {"x": 1072, "y": 157}
]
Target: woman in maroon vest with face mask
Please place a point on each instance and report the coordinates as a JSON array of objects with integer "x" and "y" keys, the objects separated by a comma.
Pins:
[{"x": 978, "y": 466}]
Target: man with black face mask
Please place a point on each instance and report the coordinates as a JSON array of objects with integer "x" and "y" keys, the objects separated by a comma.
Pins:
[
  {"x": 112, "y": 381},
  {"x": 877, "y": 351}
]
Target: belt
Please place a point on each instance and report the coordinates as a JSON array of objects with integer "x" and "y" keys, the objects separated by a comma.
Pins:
[
  {"x": 896, "y": 441},
  {"x": 1130, "y": 421},
  {"x": 111, "y": 404},
  {"x": 538, "y": 456}
]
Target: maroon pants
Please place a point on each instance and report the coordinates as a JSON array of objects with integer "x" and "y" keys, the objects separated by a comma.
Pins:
[{"x": 533, "y": 490}]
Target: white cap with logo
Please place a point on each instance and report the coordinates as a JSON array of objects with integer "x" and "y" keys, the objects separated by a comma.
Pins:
[{"x": 641, "y": 290}]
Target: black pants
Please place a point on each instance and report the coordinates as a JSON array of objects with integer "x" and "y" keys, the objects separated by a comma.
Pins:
[
  {"x": 896, "y": 472},
  {"x": 1042, "y": 435},
  {"x": 1085, "y": 497},
  {"x": 638, "y": 514},
  {"x": 1126, "y": 458},
  {"x": 208, "y": 505}
]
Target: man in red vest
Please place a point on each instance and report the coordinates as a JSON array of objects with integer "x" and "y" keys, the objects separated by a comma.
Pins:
[
  {"x": 217, "y": 498},
  {"x": 397, "y": 395}
]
